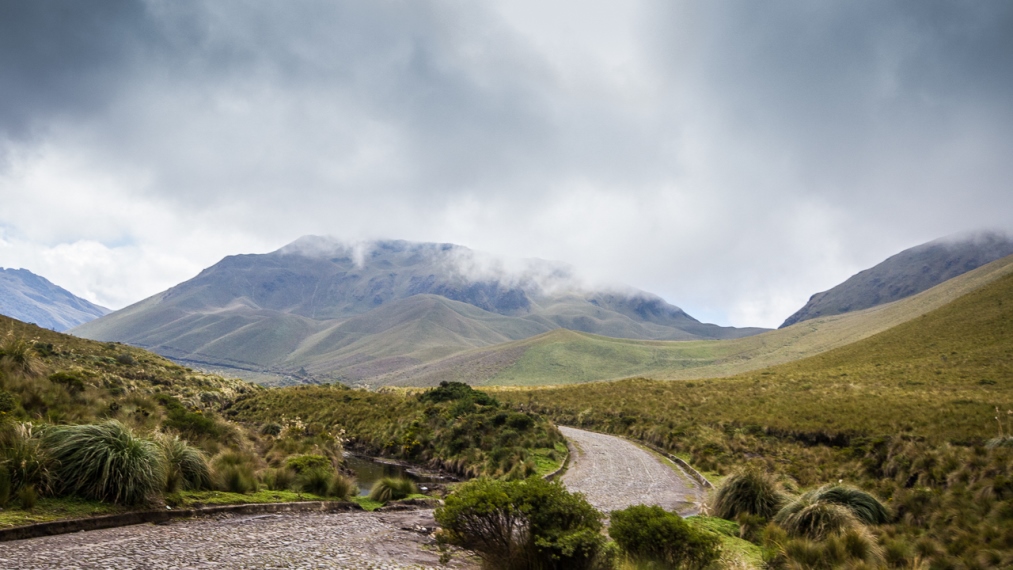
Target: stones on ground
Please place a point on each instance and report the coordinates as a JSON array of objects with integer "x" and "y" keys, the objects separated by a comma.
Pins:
[{"x": 354, "y": 540}]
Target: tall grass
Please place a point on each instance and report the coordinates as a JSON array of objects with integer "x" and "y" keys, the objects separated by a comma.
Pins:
[
  {"x": 864, "y": 506},
  {"x": 18, "y": 356},
  {"x": 233, "y": 471},
  {"x": 23, "y": 457},
  {"x": 807, "y": 517},
  {"x": 186, "y": 467},
  {"x": 392, "y": 489},
  {"x": 105, "y": 462}
]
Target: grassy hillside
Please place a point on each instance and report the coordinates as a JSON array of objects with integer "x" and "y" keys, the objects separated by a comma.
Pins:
[
  {"x": 909, "y": 413},
  {"x": 562, "y": 357}
]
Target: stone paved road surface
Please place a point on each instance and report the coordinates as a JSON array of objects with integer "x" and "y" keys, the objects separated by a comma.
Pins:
[
  {"x": 356, "y": 540},
  {"x": 614, "y": 474}
]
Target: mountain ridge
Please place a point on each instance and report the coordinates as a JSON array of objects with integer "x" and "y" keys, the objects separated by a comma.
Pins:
[
  {"x": 332, "y": 311},
  {"x": 907, "y": 273},
  {"x": 34, "y": 299}
]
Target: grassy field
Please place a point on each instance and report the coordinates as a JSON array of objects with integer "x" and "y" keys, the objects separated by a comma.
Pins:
[
  {"x": 909, "y": 413},
  {"x": 565, "y": 357}
]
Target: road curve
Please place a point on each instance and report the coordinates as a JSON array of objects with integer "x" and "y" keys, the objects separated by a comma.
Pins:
[{"x": 613, "y": 474}]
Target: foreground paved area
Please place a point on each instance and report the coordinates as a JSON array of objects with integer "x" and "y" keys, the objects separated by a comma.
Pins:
[
  {"x": 356, "y": 540},
  {"x": 614, "y": 474}
]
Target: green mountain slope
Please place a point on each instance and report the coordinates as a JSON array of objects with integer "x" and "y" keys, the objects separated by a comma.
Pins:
[
  {"x": 561, "y": 357},
  {"x": 317, "y": 310}
]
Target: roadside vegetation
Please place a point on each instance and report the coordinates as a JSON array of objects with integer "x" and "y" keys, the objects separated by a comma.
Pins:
[
  {"x": 916, "y": 416},
  {"x": 89, "y": 427}
]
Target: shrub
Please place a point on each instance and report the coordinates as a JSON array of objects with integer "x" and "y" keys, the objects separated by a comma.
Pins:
[
  {"x": 392, "y": 489},
  {"x": 233, "y": 472},
  {"x": 751, "y": 492},
  {"x": 72, "y": 382},
  {"x": 300, "y": 463},
  {"x": 186, "y": 467},
  {"x": 449, "y": 391},
  {"x": 809, "y": 518},
  {"x": 649, "y": 533},
  {"x": 342, "y": 487},
  {"x": 314, "y": 480},
  {"x": 194, "y": 425},
  {"x": 271, "y": 429},
  {"x": 105, "y": 462},
  {"x": 523, "y": 524}
]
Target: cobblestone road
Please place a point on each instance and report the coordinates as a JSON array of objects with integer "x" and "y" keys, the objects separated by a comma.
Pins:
[
  {"x": 614, "y": 474},
  {"x": 356, "y": 540}
]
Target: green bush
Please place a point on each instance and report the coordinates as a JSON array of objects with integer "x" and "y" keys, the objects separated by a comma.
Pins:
[
  {"x": 193, "y": 425},
  {"x": 529, "y": 524},
  {"x": 750, "y": 491},
  {"x": 451, "y": 391},
  {"x": 649, "y": 533},
  {"x": 105, "y": 462},
  {"x": 186, "y": 467},
  {"x": 69, "y": 380},
  {"x": 392, "y": 489},
  {"x": 300, "y": 463}
]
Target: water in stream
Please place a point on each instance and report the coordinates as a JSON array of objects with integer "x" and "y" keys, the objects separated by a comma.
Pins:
[{"x": 368, "y": 471}]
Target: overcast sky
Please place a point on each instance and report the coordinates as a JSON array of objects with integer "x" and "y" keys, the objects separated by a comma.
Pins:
[{"x": 733, "y": 157}]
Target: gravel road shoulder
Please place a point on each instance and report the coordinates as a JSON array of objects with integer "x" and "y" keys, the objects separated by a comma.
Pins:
[{"x": 355, "y": 540}]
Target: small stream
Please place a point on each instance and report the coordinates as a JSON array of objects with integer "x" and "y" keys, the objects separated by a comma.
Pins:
[{"x": 369, "y": 471}]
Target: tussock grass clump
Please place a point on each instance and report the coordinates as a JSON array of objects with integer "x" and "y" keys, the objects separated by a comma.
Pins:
[
  {"x": 186, "y": 467},
  {"x": 749, "y": 492},
  {"x": 18, "y": 355},
  {"x": 22, "y": 457},
  {"x": 233, "y": 471},
  {"x": 314, "y": 480},
  {"x": 280, "y": 479},
  {"x": 810, "y": 518},
  {"x": 105, "y": 462},
  {"x": 864, "y": 506},
  {"x": 342, "y": 487},
  {"x": 392, "y": 489}
]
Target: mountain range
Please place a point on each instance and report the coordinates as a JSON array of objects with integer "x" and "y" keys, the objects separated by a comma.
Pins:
[
  {"x": 30, "y": 298},
  {"x": 321, "y": 310}
]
